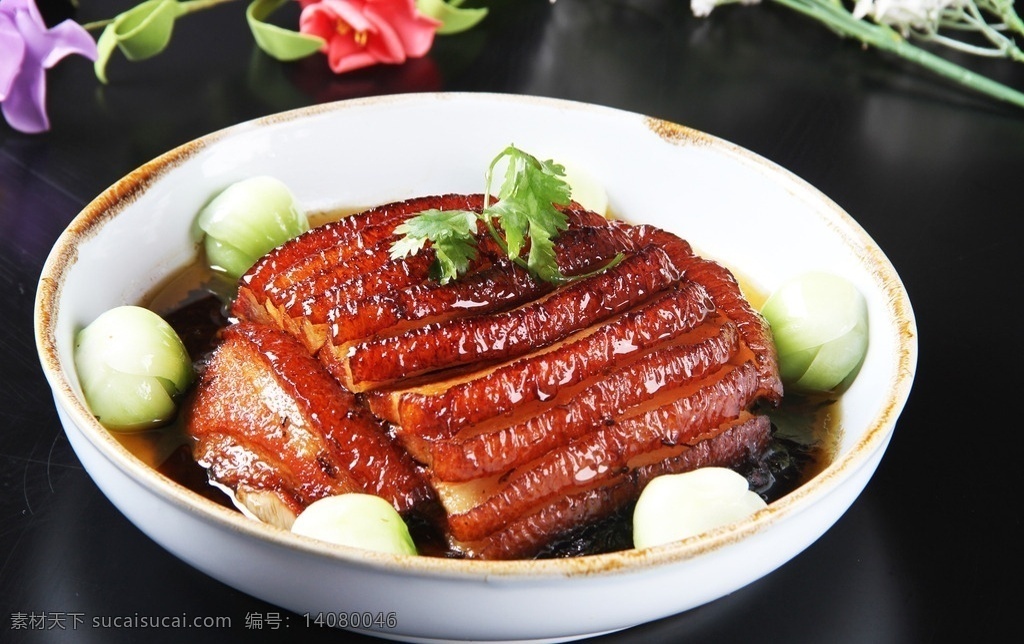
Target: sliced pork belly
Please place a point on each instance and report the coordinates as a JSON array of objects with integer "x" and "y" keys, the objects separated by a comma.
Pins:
[
  {"x": 525, "y": 537},
  {"x": 298, "y": 286},
  {"x": 440, "y": 409},
  {"x": 478, "y": 507},
  {"x": 380, "y": 361},
  {"x": 495, "y": 287},
  {"x": 521, "y": 408},
  {"x": 262, "y": 289},
  {"x": 333, "y": 243},
  {"x": 658, "y": 373},
  {"x": 268, "y": 421}
]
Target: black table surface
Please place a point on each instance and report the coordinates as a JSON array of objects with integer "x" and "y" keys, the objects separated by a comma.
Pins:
[{"x": 931, "y": 172}]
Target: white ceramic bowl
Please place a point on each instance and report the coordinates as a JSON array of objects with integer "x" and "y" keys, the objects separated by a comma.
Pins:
[{"x": 732, "y": 205}]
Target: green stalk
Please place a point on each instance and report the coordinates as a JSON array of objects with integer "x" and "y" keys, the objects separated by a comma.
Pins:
[
  {"x": 184, "y": 8},
  {"x": 1006, "y": 12},
  {"x": 883, "y": 37}
]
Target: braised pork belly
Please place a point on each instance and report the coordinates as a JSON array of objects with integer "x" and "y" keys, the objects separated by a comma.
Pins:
[{"x": 506, "y": 410}]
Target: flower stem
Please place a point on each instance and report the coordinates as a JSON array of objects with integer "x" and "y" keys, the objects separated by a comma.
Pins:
[
  {"x": 1006, "y": 12},
  {"x": 96, "y": 25},
  {"x": 185, "y": 7},
  {"x": 833, "y": 15}
]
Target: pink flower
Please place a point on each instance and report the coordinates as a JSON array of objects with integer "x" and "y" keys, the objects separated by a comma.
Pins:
[
  {"x": 27, "y": 50},
  {"x": 360, "y": 33}
]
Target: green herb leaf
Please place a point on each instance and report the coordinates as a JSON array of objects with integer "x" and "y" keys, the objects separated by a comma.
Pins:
[
  {"x": 526, "y": 209},
  {"x": 452, "y": 234},
  {"x": 525, "y": 215}
]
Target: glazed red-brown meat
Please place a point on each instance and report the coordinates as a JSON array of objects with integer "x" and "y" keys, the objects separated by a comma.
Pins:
[
  {"x": 509, "y": 409},
  {"x": 267, "y": 417},
  {"x": 526, "y": 536},
  {"x": 495, "y": 287},
  {"x": 661, "y": 371},
  {"x": 606, "y": 451},
  {"x": 381, "y": 361},
  {"x": 308, "y": 255},
  {"x": 437, "y": 411},
  {"x": 299, "y": 285}
]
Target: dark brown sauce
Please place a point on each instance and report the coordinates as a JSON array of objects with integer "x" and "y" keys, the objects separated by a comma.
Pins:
[{"x": 192, "y": 301}]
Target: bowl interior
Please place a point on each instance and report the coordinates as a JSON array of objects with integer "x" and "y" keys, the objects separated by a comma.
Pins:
[{"x": 754, "y": 217}]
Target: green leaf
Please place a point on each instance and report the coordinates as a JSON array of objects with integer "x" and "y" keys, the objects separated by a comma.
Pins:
[
  {"x": 278, "y": 42},
  {"x": 141, "y": 32},
  {"x": 453, "y": 256},
  {"x": 525, "y": 215},
  {"x": 542, "y": 260},
  {"x": 453, "y": 18},
  {"x": 105, "y": 46},
  {"x": 526, "y": 209},
  {"x": 452, "y": 234}
]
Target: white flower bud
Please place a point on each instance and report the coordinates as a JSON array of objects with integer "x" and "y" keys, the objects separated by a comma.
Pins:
[{"x": 904, "y": 15}]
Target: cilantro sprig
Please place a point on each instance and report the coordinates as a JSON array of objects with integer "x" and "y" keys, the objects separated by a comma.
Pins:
[
  {"x": 452, "y": 234},
  {"x": 525, "y": 216}
]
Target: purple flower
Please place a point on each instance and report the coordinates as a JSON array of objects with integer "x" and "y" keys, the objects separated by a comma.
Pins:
[{"x": 27, "y": 50}]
